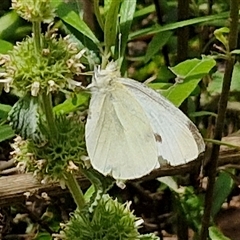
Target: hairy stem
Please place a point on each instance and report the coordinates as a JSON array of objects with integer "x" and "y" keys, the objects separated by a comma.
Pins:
[
  {"x": 48, "y": 110},
  {"x": 222, "y": 105},
  {"x": 37, "y": 36},
  {"x": 75, "y": 190}
]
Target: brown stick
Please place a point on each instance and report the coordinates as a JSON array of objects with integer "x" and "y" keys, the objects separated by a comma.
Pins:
[{"x": 12, "y": 188}]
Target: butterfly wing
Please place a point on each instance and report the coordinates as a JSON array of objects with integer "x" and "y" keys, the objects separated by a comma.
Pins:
[
  {"x": 119, "y": 139},
  {"x": 178, "y": 139}
]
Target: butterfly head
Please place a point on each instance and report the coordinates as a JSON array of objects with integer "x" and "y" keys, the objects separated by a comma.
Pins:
[{"x": 103, "y": 78}]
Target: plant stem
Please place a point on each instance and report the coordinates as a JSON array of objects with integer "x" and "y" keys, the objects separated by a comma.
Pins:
[
  {"x": 222, "y": 105},
  {"x": 48, "y": 110},
  {"x": 47, "y": 106},
  {"x": 75, "y": 190},
  {"x": 47, "y": 101},
  {"x": 37, "y": 36}
]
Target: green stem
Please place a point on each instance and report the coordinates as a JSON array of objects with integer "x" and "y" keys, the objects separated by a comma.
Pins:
[
  {"x": 105, "y": 57},
  {"x": 37, "y": 36},
  {"x": 47, "y": 106},
  {"x": 75, "y": 190}
]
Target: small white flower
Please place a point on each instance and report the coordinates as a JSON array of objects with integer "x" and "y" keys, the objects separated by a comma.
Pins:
[
  {"x": 121, "y": 184},
  {"x": 139, "y": 222},
  {"x": 72, "y": 84},
  {"x": 86, "y": 161},
  {"x": 6, "y": 82},
  {"x": 45, "y": 51},
  {"x": 70, "y": 63},
  {"x": 72, "y": 166},
  {"x": 52, "y": 86},
  {"x": 80, "y": 54},
  {"x": 35, "y": 89}
]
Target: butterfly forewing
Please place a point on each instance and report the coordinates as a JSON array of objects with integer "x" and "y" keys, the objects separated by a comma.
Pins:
[{"x": 119, "y": 138}]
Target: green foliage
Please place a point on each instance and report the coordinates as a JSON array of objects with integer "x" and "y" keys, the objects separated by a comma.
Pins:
[
  {"x": 220, "y": 36},
  {"x": 4, "y": 110},
  {"x": 215, "y": 86},
  {"x": 69, "y": 16},
  {"x": 190, "y": 204},
  {"x": 5, "y": 46},
  {"x": 190, "y": 72},
  {"x": 6, "y": 132},
  {"x": 215, "y": 234},
  {"x": 12, "y": 28},
  {"x": 24, "y": 118},
  {"x": 126, "y": 13},
  {"x": 110, "y": 26},
  {"x": 173, "y": 26},
  {"x": 71, "y": 105},
  {"x": 223, "y": 187},
  {"x": 158, "y": 41}
]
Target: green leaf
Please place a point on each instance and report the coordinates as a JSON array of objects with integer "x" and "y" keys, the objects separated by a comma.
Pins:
[
  {"x": 110, "y": 27},
  {"x": 144, "y": 11},
  {"x": 215, "y": 86},
  {"x": 180, "y": 91},
  {"x": 215, "y": 234},
  {"x": 4, "y": 110},
  {"x": 126, "y": 16},
  {"x": 236, "y": 51},
  {"x": 43, "y": 236},
  {"x": 158, "y": 41},
  {"x": 193, "y": 68},
  {"x": 192, "y": 72},
  {"x": 6, "y": 132},
  {"x": 172, "y": 26},
  {"x": 5, "y": 46},
  {"x": 169, "y": 181},
  {"x": 68, "y": 105},
  {"x": 89, "y": 193},
  {"x": 220, "y": 35},
  {"x": 159, "y": 86},
  {"x": 8, "y": 23},
  {"x": 164, "y": 74},
  {"x": 223, "y": 187},
  {"x": 24, "y": 118},
  {"x": 202, "y": 113},
  {"x": 149, "y": 236},
  {"x": 70, "y": 17}
]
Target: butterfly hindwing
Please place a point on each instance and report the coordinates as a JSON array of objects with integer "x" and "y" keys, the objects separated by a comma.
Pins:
[{"x": 181, "y": 141}]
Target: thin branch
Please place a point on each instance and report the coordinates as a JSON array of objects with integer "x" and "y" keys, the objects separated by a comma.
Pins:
[
  {"x": 13, "y": 187},
  {"x": 159, "y": 12},
  {"x": 222, "y": 105}
]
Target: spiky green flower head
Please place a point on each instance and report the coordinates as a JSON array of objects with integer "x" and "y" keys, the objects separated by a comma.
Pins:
[
  {"x": 34, "y": 10},
  {"x": 58, "y": 155},
  {"x": 50, "y": 70},
  {"x": 110, "y": 220}
]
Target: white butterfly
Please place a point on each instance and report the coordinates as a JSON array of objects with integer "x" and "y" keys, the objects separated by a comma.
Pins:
[{"x": 130, "y": 127}]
